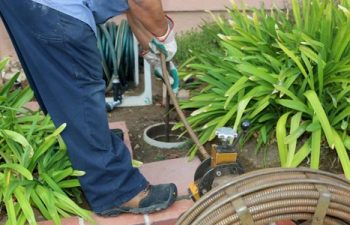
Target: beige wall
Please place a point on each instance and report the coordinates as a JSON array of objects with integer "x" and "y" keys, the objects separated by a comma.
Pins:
[
  {"x": 187, "y": 14},
  {"x": 6, "y": 48},
  {"x": 200, "y": 5}
]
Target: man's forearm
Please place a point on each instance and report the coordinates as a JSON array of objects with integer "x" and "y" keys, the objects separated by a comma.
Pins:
[
  {"x": 150, "y": 14},
  {"x": 141, "y": 33},
  {"x": 147, "y": 20}
]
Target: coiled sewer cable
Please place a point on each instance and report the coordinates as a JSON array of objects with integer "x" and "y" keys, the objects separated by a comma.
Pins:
[{"x": 272, "y": 195}]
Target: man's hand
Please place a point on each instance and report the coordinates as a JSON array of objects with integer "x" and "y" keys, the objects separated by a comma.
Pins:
[
  {"x": 154, "y": 60},
  {"x": 155, "y": 32},
  {"x": 152, "y": 28},
  {"x": 165, "y": 44}
]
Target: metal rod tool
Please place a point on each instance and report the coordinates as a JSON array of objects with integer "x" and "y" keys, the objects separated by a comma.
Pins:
[{"x": 183, "y": 119}]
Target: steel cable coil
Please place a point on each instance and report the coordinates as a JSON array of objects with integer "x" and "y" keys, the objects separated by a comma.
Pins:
[{"x": 271, "y": 195}]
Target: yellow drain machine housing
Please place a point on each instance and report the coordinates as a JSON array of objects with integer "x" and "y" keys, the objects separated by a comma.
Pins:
[{"x": 222, "y": 164}]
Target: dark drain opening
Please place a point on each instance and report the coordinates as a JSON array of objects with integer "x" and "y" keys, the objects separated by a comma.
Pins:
[{"x": 172, "y": 138}]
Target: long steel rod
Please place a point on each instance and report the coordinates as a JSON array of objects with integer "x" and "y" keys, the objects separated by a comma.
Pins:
[
  {"x": 173, "y": 98},
  {"x": 167, "y": 116}
]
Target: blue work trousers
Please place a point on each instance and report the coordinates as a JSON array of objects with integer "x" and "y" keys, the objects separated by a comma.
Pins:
[{"x": 63, "y": 65}]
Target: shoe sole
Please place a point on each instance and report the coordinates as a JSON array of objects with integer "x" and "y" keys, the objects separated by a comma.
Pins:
[{"x": 146, "y": 210}]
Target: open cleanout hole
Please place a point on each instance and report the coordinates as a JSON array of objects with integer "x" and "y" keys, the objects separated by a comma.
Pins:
[{"x": 155, "y": 135}]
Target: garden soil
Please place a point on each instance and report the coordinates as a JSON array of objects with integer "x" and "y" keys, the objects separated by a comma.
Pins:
[{"x": 138, "y": 118}]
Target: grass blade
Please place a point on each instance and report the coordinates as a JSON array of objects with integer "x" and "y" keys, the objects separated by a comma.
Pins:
[
  {"x": 294, "y": 58},
  {"x": 260, "y": 106},
  {"x": 295, "y": 105},
  {"x": 52, "y": 184},
  {"x": 3, "y": 63},
  {"x": 321, "y": 115},
  {"x": 301, "y": 154},
  {"x": 296, "y": 13},
  {"x": 18, "y": 168},
  {"x": 281, "y": 134},
  {"x": 66, "y": 203},
  {"x": 69, "y": 183},
  {"x": 343, "y": 154},
  {"x": 17, "y": 137},
  {"x": 10, "y": 209},
  {"x": 25, "y": 205},
  {"x": 39, "y": 204},
  {"x": 239, "y": 85},
  {"x": 315, "y": 146},
  {"x": 48, "y": 199},
  {"x": 292, "y": 143},
  {"x": 4, "y": 91}
]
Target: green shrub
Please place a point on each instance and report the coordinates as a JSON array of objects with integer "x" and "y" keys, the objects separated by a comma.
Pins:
[
  {"x": 286, "y": 71},
  {"x": 35, "y": 171},
  {"x": 192, "y": 41}
]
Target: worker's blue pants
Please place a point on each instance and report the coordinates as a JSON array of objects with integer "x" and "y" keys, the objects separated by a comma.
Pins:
[{"x": 60, "y": 58}]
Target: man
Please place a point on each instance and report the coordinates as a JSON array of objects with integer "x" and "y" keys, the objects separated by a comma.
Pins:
[{"x": 56, "y": 44}]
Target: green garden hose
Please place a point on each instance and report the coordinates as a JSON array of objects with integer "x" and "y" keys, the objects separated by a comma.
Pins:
[{"x": 116, "y": 44}]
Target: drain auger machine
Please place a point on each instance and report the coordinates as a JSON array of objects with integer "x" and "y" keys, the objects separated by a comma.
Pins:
[{"x": 223, "y": 196}]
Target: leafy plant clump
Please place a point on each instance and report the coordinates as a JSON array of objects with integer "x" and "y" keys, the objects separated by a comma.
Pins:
[
  {"x": 288, "y": 72},
  {"x": 35, "y": 171},
  {"x": 194, "y": 41}
]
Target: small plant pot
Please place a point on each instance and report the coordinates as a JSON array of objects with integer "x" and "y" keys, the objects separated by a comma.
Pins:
[{"x": 155, "y": 135}]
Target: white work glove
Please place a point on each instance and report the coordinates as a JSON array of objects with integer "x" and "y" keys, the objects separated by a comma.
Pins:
[
  {"x": 154, "y": 61},
  {"x": 165, "y": 44}
]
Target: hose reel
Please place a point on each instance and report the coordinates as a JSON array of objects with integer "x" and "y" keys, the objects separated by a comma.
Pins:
[
  {"x": 116, "y": 45},
  {"x": 272, "y": 195}
]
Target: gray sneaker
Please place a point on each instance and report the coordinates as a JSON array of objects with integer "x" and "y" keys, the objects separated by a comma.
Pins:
[{"x": 159, "y": 197}]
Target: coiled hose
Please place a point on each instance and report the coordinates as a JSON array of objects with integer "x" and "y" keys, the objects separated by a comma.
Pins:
[
  {"x": 116, "y": 44},
  {"x": 272, "y": 195}
]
